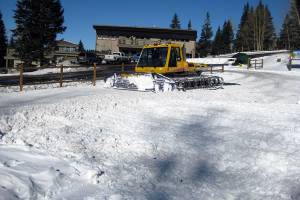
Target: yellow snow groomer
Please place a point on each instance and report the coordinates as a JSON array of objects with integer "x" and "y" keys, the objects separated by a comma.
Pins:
[{"x": 163, "y": 67}]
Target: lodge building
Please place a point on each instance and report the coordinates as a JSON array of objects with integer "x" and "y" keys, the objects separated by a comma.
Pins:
[{"x": 131, "y": 40}]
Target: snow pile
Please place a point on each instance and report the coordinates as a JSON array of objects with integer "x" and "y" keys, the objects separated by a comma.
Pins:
[
  {"x": 28, "y": 173},
  {"x": 66, "y": 63},
  {"x": 142, "y": 82},
  {"x": 211, "y": 61}
]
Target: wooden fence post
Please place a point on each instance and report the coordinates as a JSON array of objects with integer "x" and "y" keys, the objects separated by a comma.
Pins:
[
  {"x": 290, "y": 64},
  {"x": 21, "y": 68},
  {"x": 211, "y": 69},
  {"x": 222, "y": 68},
  {"x": 122, "y": 66},
  {"x": 262, "y": 63},
  {"x": 255, "y": 63},
  {"x": 94, "y": 75},
  {"x": 249, "y": 63},
  {"x": 61, "y": 75}
]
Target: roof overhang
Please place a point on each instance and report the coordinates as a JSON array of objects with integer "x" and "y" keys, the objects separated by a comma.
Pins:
[{"x": 146, "y": 32}]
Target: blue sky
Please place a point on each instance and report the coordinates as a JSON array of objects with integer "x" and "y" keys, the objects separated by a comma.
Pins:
[{"x": 80, "y": 16}]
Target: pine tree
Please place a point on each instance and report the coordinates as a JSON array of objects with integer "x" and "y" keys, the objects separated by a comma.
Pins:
[
  {"x": 218, "y": 42},
  {"x": 190, "y": 25},
  {"x": 250, "y": 35},
  {"x": 285, "y": 39},
  {"x": 37, "y": 24},
  {"x": 259, "y": 24},
  {"x": 256, "y": 30},
  {"x": 297, "y": 4},
  {"x": 245, "y": 35},
  {"x": 294, "y": 24},
  {"x": 204, "y": 45},
  {"x": 241, "y": 42},
  {"x": 81, "y": 47},
  {"x": 228, "y": 36},
  {"x": 269, "y": 42},
  {"x": 3, "y": 42},
  {"x": 290, "y": 31},
  {"x": 295, "y": 10},
  {"x": 264, "y": 31},
  {"x": 175, "y": 22}
]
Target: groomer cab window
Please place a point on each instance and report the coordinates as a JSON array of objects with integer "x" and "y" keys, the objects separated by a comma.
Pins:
[{"x": 174, "y": 57}]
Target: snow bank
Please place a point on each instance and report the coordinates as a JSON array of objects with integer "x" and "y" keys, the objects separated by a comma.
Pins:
[
  {"x": 211, "y": 61},
  {"x": 29, "y": 173},
  {"x": 142, "y": 82}
]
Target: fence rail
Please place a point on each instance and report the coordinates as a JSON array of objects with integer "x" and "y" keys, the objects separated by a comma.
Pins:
[{"x": 84, "y": 73}]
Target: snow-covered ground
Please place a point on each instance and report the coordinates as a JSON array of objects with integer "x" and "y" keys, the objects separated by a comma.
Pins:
[
  {"x": 84, "y": 142},
  {"x": 257, "y": 52},
  {"x": 212, "y": 61}
]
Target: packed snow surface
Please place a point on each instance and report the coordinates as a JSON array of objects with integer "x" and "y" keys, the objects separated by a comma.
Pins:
[
  {"x": 84, "y": 142},
  {"x": 211, "y": 61}
]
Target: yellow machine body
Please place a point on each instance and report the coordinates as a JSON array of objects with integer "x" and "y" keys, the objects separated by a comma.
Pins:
[{"x": 165, "y": 59}]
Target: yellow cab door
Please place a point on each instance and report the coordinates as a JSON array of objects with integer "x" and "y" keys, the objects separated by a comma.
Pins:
[{"x": 176, "y": 62}]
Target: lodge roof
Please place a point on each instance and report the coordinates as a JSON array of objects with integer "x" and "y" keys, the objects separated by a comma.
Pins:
[{"x": 146, "y": 32}]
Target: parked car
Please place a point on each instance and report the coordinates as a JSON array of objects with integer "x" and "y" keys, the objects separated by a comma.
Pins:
[
  {"x": 116, "y": 58},
  {"x": 88, "y": 58}
]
